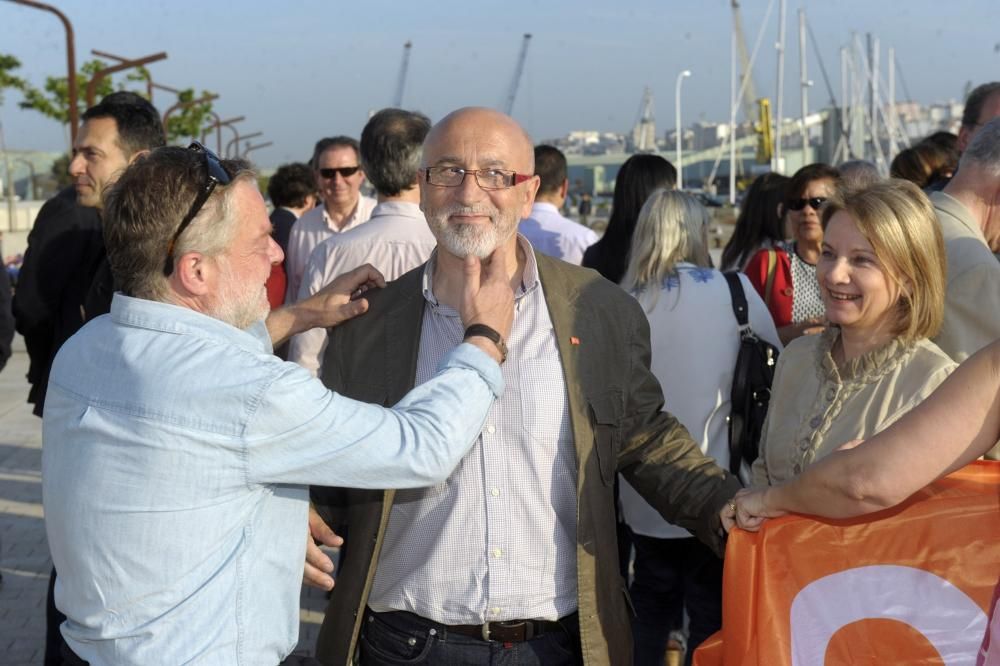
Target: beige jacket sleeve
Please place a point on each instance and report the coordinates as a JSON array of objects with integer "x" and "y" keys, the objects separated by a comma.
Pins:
[{"x": 971, "y": 312}]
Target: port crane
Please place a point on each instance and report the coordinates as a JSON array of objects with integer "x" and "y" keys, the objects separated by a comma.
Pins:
[
  {"x": 518, "y": 70},
  {"x": 401, "y": 80}
]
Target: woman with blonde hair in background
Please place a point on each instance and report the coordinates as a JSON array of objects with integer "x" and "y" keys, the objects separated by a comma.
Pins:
[
  {"x": 695, "y": 339},
  {"x": 882, "y": 278}
]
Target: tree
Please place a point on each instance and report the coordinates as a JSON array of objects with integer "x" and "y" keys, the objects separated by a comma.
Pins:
[
  {"x": 187, "y": 121},
  {"x": 53, "y": 100},
  {"x": 60, "y": 172},
  {"x": 8, "y": 64}
]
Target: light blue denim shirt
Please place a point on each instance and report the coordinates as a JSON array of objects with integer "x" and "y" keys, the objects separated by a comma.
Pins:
[{"x": 175, "y": 453}]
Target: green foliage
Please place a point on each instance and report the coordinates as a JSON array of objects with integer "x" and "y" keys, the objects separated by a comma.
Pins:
[
  {"x": 8, "y": 64},
  {"x": 53, "y": 100},
  {"x": 187, "y": 121}
]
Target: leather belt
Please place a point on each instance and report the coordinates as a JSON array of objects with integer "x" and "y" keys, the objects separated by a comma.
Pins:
[{"x": 509, "y": 631}]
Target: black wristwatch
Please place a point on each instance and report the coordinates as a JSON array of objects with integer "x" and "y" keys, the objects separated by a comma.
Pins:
[{"x": 490, "y": 334}]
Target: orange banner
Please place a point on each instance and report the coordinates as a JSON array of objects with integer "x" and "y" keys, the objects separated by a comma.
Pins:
[{"x": 910, "y": 585}]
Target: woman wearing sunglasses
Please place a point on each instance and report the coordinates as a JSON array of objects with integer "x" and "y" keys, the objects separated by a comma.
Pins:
[
  {"x": 786, "y": 277},
  {"x": 881, "y": 274}
]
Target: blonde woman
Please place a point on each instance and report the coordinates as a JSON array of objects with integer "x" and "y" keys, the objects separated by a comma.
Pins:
[
  {"x": 695, "y": 340},
  {"x": 881, "y": 274}
]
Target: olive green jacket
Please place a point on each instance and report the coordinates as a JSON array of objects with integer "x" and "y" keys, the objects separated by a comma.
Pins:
[{"x": 618, "y": 425}]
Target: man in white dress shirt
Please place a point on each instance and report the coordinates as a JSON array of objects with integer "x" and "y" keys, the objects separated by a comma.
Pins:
[
  {"x": 338, "y": 178},
  {"x": 396, "y": 238},
  {"x": 547, "y": 230}
]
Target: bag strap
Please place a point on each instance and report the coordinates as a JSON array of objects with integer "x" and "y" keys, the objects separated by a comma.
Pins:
[
  {"x": 739, "y": 299},
  {"x": 772, "y": 265}
]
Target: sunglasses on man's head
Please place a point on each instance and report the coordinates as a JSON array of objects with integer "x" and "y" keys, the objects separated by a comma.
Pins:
[
  {"x": 215, "y": 174},
  {"x": 345, "y": 172},
  {"x": 813, "y": 202}
]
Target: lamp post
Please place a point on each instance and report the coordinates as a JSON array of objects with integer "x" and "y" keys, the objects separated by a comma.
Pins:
[
  {"x": 236, "y": 140},
  {"x": 150, "y": 85},
  {"x": 680, "y": 130},
  {"x": 249, "y": 147},
  {"x": 74, "y": 112},
  {"x": 125, "y": 64},
  {"x": 218, "y": 125},
  {"x": 182, "y": 105}
]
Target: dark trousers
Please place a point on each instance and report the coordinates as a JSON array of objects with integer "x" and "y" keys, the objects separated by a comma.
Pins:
[
  {"x": 55, "y": 646},
  {"x": 673, "y": 575},
  {"x": 390, "y": 639}
]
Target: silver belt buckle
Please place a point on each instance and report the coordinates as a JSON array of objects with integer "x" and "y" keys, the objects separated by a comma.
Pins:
[{"x": 486, "y": 631}]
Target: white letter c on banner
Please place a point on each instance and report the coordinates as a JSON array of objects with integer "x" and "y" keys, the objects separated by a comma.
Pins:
[{"x": 951, "y": 622}]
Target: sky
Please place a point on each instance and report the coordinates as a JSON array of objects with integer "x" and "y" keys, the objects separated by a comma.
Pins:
[{"x": 303, "y": 69}]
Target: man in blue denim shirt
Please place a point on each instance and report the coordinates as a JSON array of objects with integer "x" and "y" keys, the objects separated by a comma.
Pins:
[{"x": 176, "y": 446}]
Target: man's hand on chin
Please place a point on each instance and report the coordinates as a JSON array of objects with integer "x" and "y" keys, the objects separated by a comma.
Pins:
[{"x": 335, "y": 303}]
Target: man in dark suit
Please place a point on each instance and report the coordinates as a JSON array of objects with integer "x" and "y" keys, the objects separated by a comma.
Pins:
[
  {"x": 516, "y": 554},
  {"x": 64, "y": 250}
]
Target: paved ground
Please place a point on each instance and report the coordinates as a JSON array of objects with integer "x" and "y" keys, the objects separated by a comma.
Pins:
[{"x": 24, "y": 553}]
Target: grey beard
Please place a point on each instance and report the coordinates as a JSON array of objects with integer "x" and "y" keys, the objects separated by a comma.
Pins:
[{"x": 462, "y": 240}]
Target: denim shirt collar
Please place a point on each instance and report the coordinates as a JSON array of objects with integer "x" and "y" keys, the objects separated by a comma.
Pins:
[{"x": 169, "y": 318}]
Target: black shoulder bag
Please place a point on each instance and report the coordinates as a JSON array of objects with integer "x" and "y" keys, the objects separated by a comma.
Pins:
[{"x": 752, "y": 379}]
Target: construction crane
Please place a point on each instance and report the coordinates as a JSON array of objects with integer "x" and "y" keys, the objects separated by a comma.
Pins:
[
  {"x": 752, "y": 105},
  {"x": 644, "y": 130},
  {"x": 765, "y": 140},
  {"x": 516, "y": 81},
  {"x": 401, "y": 81}
]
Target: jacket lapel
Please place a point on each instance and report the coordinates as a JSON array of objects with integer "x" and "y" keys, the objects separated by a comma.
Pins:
[
  {"x": 561, "y": 299},
  {"x": 401, "y": 337}
]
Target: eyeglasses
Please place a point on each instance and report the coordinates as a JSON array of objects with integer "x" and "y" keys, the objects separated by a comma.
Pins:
[
  {"x": 215, "y": 174},
  {"x": 345, "y": 172},
  {"x": 488, "y": 179},
  {"x": 813, "y": 202}
]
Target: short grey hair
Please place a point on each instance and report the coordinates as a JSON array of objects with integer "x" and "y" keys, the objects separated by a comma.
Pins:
[
  {"x": 984, "y": 149},
  {"x": 144, "y": 208},
  {"x": 857, "y": 175}
]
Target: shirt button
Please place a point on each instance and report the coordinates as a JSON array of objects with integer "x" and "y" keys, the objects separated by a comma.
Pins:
[
  {"x": 831, "y": 394},
  {"x": 490, "y": 430},
  {"x": 815, "y": 421},
  {"x": 804, "y": 445},
  {"x": 797, "y": 469},
  {"x": 495, "y": 492},
  {"x": 497, "y": 552}
]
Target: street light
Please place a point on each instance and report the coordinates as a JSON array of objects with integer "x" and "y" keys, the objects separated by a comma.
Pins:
[
  {"x": 236, "y": 140},
  {"x": 680, "y": 130},
  {"x": 122, "y": 66},
  {"x": 249, "y": 147},
  {"x": 150, "y": 85},
  {"x": 74, "y": 112},
  {"x": 183, "y": 105}
]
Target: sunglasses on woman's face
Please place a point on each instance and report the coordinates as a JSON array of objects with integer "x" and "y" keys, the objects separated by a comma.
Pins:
[{"x": 813, "y": 202}]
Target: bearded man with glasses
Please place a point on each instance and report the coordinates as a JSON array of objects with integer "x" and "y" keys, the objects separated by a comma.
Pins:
[
  {"x": 336, "y": 162},
  {"x": 513, "y": 560},
  {"x": 176, "y": 446}
]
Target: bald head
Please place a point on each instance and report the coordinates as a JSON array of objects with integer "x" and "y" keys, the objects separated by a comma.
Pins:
[
  {"x": 490, "y": 130},
  {"x": 494, "y": 161}
]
